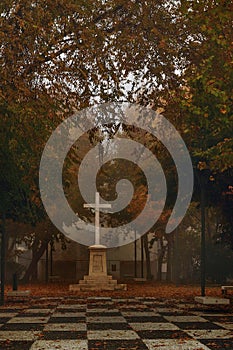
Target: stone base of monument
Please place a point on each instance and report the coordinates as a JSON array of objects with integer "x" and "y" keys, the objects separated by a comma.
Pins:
[
  {"x": 89, "y": 284},
  {"x": 97, "y": 279}
]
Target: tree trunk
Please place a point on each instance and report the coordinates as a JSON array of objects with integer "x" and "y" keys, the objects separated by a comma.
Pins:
[
  {"x": 34, "y": 274},
  {"x": 47, "y": 264},
  {"x": 147, "y": 255},
  {"x": 161, "y": 254},
  {"x": 176, "y": 258},
  {"x": 33, "y": 265},
  {"x": 169, "y": 259},
  {"x": 159, "y": 273},
  {"x": 3, "y": 258}
]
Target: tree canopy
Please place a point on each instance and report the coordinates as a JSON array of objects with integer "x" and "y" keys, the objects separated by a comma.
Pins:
[{"x": 60, "y": 56}]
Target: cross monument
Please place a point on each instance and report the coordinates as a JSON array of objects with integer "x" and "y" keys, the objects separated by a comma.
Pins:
[
  {"x": 97, "y": 206},
  {"x": 97, "y": 278}
]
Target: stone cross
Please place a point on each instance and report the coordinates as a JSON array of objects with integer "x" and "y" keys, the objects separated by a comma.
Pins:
[{"x": 97, "y": 206}]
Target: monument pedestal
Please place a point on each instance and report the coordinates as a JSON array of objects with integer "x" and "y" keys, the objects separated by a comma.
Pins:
[{"x": 97, "y": 279}]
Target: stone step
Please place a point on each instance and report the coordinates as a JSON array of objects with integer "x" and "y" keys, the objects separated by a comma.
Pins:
[
  {"x": 109, "y": 277},
  {"x": 95, "y": 287},
  {"x": 104, "y": 287},
  {"x": 94, "y": 281},
  {"x": 88, "y": 287},
  {"x": 91, "y": 287}
]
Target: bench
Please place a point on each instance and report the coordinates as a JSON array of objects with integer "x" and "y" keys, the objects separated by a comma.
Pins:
[
  {"x": 54, "y": 278},
  {"x": 212, "y": 300},
  {"x": 139, "y": 280},
  {"x": 127, "y": 276},
  {"x": 225, "y": 289},
  {"x": 18, "y": 295}
]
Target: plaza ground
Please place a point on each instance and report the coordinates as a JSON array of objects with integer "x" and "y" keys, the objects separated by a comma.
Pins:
[
  {"x": 72, "y": 322},
  {"x": 134, "y": 289},
  {"x": 147, "y": 316}
]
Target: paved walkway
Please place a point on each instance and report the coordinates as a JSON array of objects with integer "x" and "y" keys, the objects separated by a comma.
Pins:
[{"x": 114, "y": 324}]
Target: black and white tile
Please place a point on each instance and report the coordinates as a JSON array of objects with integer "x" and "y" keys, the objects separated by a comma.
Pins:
[{"x": 114, "y": 324}]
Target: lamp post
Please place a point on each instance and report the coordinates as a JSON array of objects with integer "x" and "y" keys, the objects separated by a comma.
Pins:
[
  {"x": 142, "y": 257},
  {"x": 135, "y": 254},
  {"x": 203, "y": 179},
  {"x": 3, "y": 257},
  {"x": 203, "y": 240}
]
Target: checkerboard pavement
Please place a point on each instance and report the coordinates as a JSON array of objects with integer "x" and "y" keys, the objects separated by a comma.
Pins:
[{"x": 114, "y": 324}]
